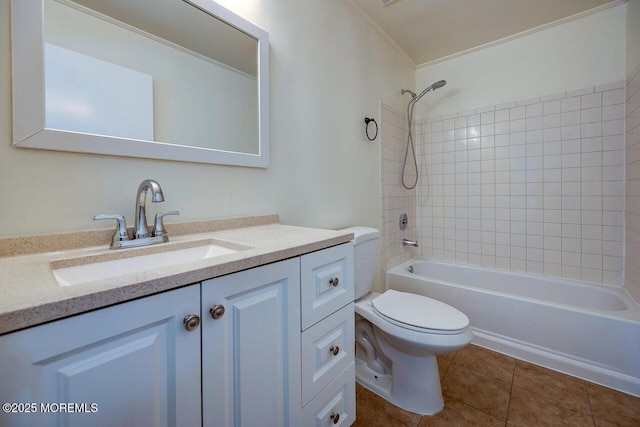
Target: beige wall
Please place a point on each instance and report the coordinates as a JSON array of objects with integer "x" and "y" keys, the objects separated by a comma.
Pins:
[
  {"x": 329, "y": 69},
  {"x": 588, "y": 51},
  {"x": 633, "y": 36}
]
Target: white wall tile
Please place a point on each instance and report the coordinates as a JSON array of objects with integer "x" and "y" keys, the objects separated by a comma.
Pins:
[
  {"x": 578, "y": 92},
  {"x": 613, "y": 127},
  {"x": 589, "y": 130},
  {"x": 502, "y": 115},
  {"x": 613, "y": 112},
  {"x": 570, "y": 103},
  {"x": 591, "y": 100},
  {"x": 610, "y": 87},
  {"x": 611, "y": 97},
  {"x": 591, "y": 144},
  {"x": 535, "y": 185},
  {"x": 613, "y": 158},
  {"x": 518, "y": 125},
  {"x": 552, "y": 107},
  {"x": 591, "y": 115}
]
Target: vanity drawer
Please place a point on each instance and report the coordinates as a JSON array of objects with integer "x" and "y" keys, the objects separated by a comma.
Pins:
[
  {"x": 326, "y": 282},
  {"x": 336, "y": 404},
  {"x": 327, "y": 350}
]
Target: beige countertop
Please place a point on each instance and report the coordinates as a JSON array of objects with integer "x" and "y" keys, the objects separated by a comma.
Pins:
[{"x": 30, "y": 294}]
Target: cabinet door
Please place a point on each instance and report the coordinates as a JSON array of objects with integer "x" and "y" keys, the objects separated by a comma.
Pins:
[
  {"x": 251, "y": 352},
  {"x": 133, "y": 364}
]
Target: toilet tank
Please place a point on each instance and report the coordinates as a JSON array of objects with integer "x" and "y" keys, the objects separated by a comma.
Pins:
[{"x": 365, "y": 247}]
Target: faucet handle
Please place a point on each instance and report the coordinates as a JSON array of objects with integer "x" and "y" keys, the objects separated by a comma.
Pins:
[
  {"x": 121, "y": 233},
  {"x": 158, "y": 226}
]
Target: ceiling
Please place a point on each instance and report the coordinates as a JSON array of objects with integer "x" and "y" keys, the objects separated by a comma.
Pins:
[{"x": 426, "y": 30}]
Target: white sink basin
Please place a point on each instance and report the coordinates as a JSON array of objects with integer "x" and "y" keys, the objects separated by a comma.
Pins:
[{"x": 90, "y": 269}]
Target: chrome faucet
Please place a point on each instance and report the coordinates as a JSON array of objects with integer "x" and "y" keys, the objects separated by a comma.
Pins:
[
  {"x": 141, "y": 235},
  {"x": 141, "y": 229},
  {"x": 407, "y": 242}
]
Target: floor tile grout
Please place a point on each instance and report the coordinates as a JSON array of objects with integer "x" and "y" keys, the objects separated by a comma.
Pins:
[
  {"x": 513, "y": 377},
  {"x": 593, "y": 416}
]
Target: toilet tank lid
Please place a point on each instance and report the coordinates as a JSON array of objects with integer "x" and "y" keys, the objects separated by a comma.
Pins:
[{"x": 362, "y": 234}]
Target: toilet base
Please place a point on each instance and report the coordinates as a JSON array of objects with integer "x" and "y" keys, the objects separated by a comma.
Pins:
[
  {"x": 379, "y": 384},
  {"x": 428, "y": 402}
]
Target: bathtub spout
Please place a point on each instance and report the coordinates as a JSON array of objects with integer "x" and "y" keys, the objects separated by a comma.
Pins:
[
  {"x": 407, "y": 242},
  {"x": 364, "y": 336}
]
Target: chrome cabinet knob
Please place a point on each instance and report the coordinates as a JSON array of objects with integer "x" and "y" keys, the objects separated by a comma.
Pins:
[
  {"x": 334, "y": 281},
  {"x": 335, "y": 417},
  {"x": 191, "y": 322},
  {"x": 334, "y": 350},
  {"x": 217, "y": 311}
]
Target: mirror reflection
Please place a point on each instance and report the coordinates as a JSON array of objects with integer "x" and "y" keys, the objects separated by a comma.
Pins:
[{"x": 154, "y": 70}]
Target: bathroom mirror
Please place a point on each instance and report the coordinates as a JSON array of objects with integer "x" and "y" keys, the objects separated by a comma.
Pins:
[{"x": 183, "y": 80}]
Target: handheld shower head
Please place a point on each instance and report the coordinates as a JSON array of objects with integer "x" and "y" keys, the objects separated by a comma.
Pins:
[{"x": 436, "y": 85}]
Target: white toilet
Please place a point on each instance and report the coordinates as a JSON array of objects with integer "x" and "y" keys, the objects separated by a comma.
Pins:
[{"x": 398, "y": 336}]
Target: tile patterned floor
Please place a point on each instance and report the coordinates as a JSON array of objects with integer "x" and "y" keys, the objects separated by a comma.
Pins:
[{"x": 485, "y": 388}]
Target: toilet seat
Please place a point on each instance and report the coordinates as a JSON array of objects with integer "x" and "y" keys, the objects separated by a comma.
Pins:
[{"x": 419, "y": 313}]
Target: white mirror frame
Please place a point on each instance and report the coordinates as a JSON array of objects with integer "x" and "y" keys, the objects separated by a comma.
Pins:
[{"x": 29, "y": 131}]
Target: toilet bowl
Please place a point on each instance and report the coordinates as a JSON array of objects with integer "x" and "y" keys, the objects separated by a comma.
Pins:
[
  {"x": 409, "y": 377},
  {"x": 399, "y": 335}
]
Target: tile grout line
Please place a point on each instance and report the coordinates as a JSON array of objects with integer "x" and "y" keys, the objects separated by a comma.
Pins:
[
  {"x": 482, "y": 374},
  {"x": 593, "y": 416},
  {"x": 513, "y": 377}
]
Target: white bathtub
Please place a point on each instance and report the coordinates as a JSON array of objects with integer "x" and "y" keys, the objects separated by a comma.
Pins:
[{"x": 589, "y": 331}]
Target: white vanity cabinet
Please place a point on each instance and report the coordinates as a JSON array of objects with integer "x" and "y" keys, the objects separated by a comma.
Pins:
[
  {"x": 328, "y": 341},
  {"x": 251, "y": 347},
  {"x": 268, "y": 346},
  {"x": 260, "y": 365},
  {"x": 133, "y": 364}
]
